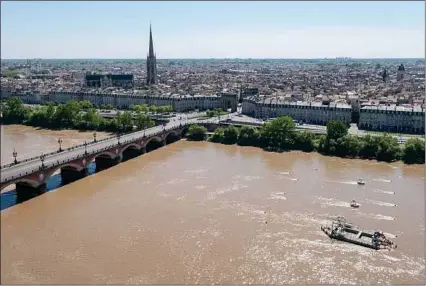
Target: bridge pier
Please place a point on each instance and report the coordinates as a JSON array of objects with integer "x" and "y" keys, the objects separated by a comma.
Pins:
[
  {"x": 103, "y": 163},
  {"x": 20, "y": 187},
  {"x": 69, "y": 175},
  {"x": 25, "y": 192},
  {"x": 130, "y": 153}
]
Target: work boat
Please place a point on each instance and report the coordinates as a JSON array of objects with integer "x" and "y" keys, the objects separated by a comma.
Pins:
[
  {"x": 343, "y": 231},
  {"x": 354, "y": 204},
  {"x": 360, "y": 182}
]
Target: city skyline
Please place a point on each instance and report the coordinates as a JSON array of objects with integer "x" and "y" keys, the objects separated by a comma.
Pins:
[{"x": 184, "y": 30}]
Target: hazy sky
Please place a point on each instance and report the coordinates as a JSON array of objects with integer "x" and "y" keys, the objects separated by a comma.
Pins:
[{"x": 213, "y": 29}]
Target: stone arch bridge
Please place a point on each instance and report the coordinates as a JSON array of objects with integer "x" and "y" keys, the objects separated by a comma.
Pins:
[{"x": 73, "y": 163}]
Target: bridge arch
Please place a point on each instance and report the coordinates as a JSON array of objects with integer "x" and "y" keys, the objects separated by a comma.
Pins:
[
  {"x": 133, "y": 145},
  {"x": 155, "y": 138},
  {"x": 153, "y": 143},
  {"x": 130, "y": 151},
  {"x": 29, "y": 182},
  {"x": 72, "y": 166},
  {"x": 172, "y": 136},
  {"x": 105, "y": 154}
]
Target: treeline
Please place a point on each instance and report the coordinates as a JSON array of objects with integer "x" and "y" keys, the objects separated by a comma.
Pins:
[
  {"x": 215, "y": 112},
  {"x": 280, "y": 134},
  {"x": 143, "y": 108},
  {"x": 151, "y": 108},
  {"x": 74, "y": 114}
]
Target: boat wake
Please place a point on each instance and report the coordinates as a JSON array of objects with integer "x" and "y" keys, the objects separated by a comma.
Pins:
[
  {"x": 382, "y": 180},
  {"x": 382, "y": 204},
  {"x": 384, "y": 192},
  {"x": 376, "y": 216},
  {"x": 196, "y": 171},
  {"x": 349, "y": 182},
  {"x": 278, "y": 196},
  {"x": 331, "y": 202}
]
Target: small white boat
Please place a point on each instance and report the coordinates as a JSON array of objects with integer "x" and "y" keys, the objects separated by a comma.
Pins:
[
  {"x": 354, "y": 204},
  {"x": 360, "y": 182}
]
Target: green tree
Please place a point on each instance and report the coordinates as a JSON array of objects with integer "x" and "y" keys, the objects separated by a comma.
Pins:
[
  {"x": 91, "y": 119},
  {"x": 85, "y": 104},
  {"x": 388, "y": 149},
  {"x": 352, "y": 146},
  {"x": 168, "y": 108},
  {"x": 319, "y": 143},
  {"x": 304, "y": 140},
  {"x": 125, "y": 121},
  {"x": 161, "y": 109},
  {"x": 196, "y": 132},
  {"x": 248, "y": 136},
  {"x": 414, "y": 151},
  {"x": 66, "y": 114},
  {"x": 210, "y": 113},
  {"x": 230, "y": 135},
  {"x": 218, "y": 135},
  {"x": 278, "y": 132},
  {"x": 143, "y": 121},
  {"x": 336, "y": 129},
  {"x": 369, "y": 147},
  {"x": 218, "y": 111},
  {"x": 153, "y": 109},
  {"x": 14, "y": 110}
]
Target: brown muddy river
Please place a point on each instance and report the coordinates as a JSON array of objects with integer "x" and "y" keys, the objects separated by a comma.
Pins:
[{"x": 209, "y": 213}]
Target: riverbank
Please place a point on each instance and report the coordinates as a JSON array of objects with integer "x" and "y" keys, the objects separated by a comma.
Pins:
[{"x": 279, "y": 135}]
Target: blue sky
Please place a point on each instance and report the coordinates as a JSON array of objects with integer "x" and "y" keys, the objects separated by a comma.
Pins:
[{"x": 243, "y": 29}]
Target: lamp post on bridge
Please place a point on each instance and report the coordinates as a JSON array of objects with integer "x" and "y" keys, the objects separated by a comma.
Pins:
[
  {"x": 94, "y": 136},
  {"x": 42, "y": 157},
  {"x": 118, "y": 138},
  {"x": 14, "y": 156},
  {"x": 164, "y": 127},
  {"x": 85, "y": 147},
  {"x": 180, "y": 122},
  {"x": 60, "y": 144}
]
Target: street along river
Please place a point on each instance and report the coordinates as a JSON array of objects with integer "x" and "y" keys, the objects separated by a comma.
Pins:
[{"x": 198, "y": 212}]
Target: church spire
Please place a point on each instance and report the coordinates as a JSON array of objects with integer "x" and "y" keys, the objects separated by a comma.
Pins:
[
  {"x": 151, "y": 44},
  {"x": 151, "y": 63}
]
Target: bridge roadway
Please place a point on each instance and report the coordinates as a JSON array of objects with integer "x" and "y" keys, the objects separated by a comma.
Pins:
[{"x": 14, "y": 171}]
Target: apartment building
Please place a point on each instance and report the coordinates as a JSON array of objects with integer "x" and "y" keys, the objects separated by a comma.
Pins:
[
  {"x": 180, "y": 103},
  {"x": 307, "y": 112},
  {"x": 393, "y": 119}
]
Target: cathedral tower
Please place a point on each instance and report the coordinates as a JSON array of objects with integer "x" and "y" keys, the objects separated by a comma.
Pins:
[{"x": 151, "y": 62}]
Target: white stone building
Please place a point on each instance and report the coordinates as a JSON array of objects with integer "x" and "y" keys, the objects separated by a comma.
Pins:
[
  {"x": 313, "y": 112},
  {"x": 393, "y": 119}
]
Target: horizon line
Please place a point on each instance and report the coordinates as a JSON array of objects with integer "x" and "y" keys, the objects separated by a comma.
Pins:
[{"x": 203, "y": 58}]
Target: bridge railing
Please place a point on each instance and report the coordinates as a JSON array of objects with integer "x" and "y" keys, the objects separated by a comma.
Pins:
[
  {"x": 57, "y": 163},
  {"x": 57, "y": 152}
]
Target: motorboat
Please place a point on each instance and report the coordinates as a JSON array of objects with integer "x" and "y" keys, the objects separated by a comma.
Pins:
[
  {"x": 354, "y": 204},
  {"x": 360, "y": 182}
]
